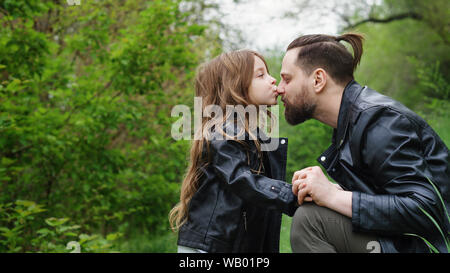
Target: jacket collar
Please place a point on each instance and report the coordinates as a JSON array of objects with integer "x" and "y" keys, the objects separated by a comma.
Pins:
[{"x": 351, "y": 92}]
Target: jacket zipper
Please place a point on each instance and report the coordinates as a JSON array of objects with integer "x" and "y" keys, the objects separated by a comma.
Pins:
[{"x": 244, "y": 213}]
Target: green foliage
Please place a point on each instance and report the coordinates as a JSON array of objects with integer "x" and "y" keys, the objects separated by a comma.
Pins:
[
  {"x": 404, "y": 58},
  {"x": 24, "y": 9},
  {"x": 432, "y": 80},
  {"x": 445, "y": 237},
  {"x": 433, "y": 13},
  {"x": 306, "y": 142},
  {"x": 22, "y": 229},
  {"x": 85, "y": 99},
  {"x": 435, "y": 107}
]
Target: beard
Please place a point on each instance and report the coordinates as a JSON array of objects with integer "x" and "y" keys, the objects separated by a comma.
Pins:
[{"x": 300, "y": 109}]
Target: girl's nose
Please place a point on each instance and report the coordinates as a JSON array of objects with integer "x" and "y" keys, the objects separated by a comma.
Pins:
[{"x": 273, "y": 81}]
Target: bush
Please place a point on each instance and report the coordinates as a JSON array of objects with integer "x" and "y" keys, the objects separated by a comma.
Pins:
[
  {"x": 23, "y": 230},
  {"x": 85, "y": 96}
]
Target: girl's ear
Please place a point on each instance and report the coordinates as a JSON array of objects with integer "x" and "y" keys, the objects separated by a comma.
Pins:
[{"x": 320, "y": 80}]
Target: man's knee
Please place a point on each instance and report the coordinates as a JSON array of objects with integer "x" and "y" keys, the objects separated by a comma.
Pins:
[
  {"x": 319, "y": 229},
  {"x": 303, "y": 216},
  {"x": 303, "y": 228},
  {"x": 309, "y": 213}
]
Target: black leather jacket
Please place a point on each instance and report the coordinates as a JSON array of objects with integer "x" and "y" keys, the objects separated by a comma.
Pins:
[
  {"x": 385, "y": 153},
  {"x": 235, "y": 209}
]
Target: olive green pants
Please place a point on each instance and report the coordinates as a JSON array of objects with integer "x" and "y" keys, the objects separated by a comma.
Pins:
[{"x": 318, "y": 229}]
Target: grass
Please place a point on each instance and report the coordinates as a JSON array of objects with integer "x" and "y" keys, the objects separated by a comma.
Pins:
[
  {"x": 285, "y": 242},
  {"x": 140, "y": 243},
  {"x": 167, "y": 243}
]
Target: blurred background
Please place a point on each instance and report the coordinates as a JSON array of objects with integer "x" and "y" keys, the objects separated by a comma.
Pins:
[{"x": 87, "y": 87}]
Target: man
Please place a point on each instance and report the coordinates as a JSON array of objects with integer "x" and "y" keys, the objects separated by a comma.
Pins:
[{"x": 384, "y": 157}]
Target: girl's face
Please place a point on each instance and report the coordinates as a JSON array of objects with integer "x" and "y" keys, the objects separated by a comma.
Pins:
[{"x": 262, "y": 90}]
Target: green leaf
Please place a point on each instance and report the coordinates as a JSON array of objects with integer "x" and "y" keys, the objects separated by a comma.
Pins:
[
  {"x": 44, "y": 231},
  {"x": 438, "y": 227},
  {"x": 85, "y": 237},
  {"x": 113, "y": 236},
  {"x": 432, "y": 248},
  {"x": 53, "y": 222},
  {"x": 8, "y": 233},
  {"x": 25, "y": 203},
  {"x": 440, "y": 198},
  {"x": 7, "y": 161},
  {"x": 64, "y": 228}
]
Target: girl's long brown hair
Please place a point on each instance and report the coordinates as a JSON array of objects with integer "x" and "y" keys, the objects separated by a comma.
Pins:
[{"x": 222, "y": 81}]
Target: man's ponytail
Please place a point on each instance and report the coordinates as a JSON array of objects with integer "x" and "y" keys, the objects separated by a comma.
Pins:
[
  {"x": 356, "y": 41},
  {"x": 326, "y": 51}
]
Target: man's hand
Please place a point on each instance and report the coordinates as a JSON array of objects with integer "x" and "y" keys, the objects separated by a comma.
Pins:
[{"x": 311, "y": 184}]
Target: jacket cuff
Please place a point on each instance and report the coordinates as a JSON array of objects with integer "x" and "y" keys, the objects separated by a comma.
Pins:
[
  {"x": 356, "y": 222},
  {"x": 370, "y": 213},
  {"x": 289, "y": 198}
]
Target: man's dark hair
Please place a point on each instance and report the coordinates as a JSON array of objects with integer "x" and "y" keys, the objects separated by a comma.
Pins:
[{"x": 325, "y": 51}]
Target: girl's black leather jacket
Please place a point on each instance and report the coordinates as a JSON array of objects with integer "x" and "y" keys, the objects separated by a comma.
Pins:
[{"x": 235, "y": 209}]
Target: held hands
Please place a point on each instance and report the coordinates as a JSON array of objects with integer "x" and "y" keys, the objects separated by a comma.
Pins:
[{"x": 311, "y": 184}]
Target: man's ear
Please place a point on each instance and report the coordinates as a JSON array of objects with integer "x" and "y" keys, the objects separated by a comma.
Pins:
[{"x": 320, "y": 80}]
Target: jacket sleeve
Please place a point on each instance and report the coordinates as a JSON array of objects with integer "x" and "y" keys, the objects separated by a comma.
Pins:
[
  {"x": 229, "y": 161},
  {"x": 392, "y": 153}
]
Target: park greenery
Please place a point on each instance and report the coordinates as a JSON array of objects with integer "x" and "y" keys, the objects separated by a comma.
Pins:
[{"x": 86, "y": 92}]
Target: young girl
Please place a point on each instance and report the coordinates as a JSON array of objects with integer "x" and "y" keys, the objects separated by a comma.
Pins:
[{"x": 233, "y": 193}]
